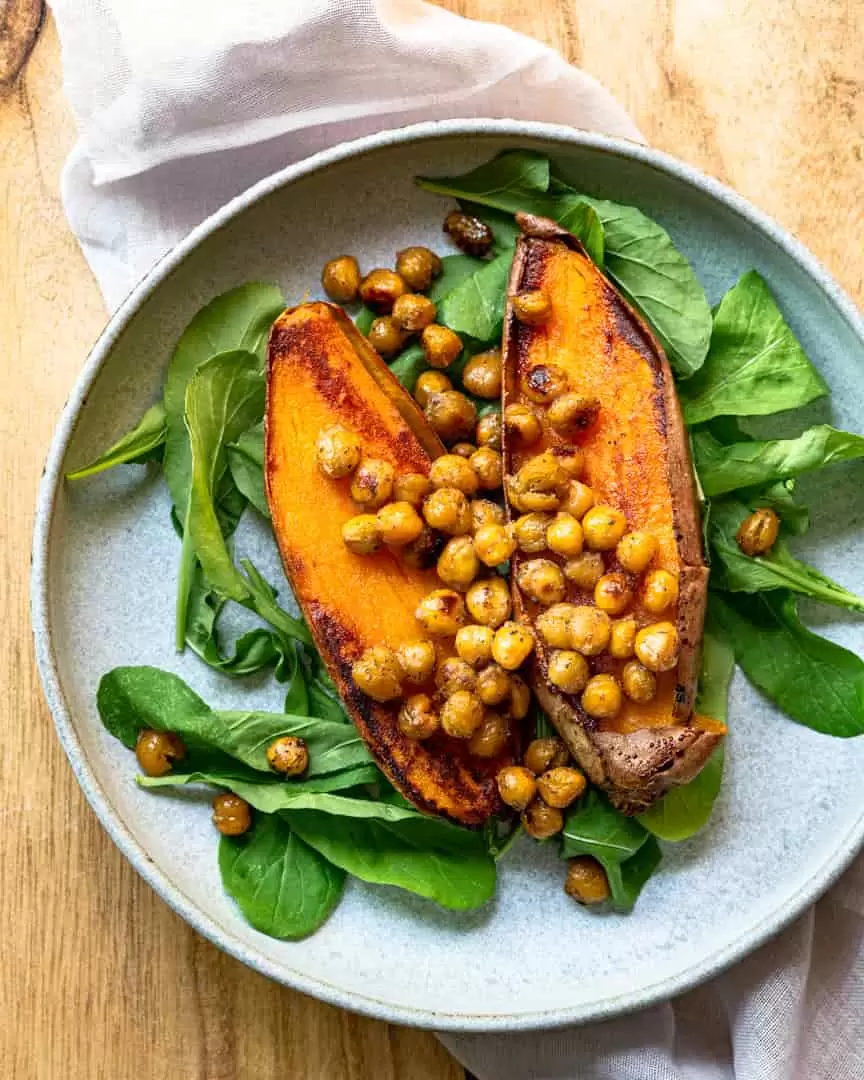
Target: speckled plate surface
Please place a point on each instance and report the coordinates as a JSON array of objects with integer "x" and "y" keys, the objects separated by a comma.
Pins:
[{"x": 790, "y": 816}]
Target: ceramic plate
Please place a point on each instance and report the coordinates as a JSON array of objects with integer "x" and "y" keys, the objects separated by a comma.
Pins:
[{"x": 790, "y": 817}]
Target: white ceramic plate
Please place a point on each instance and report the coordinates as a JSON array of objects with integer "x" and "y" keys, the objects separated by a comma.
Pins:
[{"x": 790, "y": 816}]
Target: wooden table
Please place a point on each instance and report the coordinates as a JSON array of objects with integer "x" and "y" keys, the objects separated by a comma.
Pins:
[{"x": 97, "y": 977}]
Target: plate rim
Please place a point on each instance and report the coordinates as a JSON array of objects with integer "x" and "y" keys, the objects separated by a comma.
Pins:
[{"x": 52, "y": 479}]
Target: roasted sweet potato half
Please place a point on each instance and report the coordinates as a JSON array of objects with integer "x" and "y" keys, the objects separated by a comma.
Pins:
[
  {"x": 323, "y": 372},
  {"x": 636, "y": 459}
]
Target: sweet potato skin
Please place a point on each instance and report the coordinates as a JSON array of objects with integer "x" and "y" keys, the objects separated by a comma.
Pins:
[
  {"x": 637, "y": 458},
  {"x": 321, "y": 371}
]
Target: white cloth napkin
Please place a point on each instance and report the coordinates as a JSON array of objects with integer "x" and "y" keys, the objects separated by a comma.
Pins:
[{"x": 182, "y": 104}]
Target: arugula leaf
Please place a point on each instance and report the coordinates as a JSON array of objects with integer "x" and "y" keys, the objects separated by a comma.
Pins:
[
  {"x": 283, "y": 887},
  {"x": 260, "y": 598},
  {"x": 755, "y": 365},
  {"x": 504, "y": 182},
  {"x": 475, "y": 307},
  {"x": 246, "y": 462},
  {"x": 143, "y": 443},
  {"x": 815, "y": 682}
]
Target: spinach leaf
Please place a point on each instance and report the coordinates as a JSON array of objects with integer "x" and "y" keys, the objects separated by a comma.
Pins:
[
  {"x": 410, "y": 363},
  {"x": 747, "y": 464},
  {"x": 815, "y": 682},
  {"x": 504, "y": 182},
  {"x": 584, "y": 222},
  {"x": 260, "y": 598},
  {"x": 283, "y": 887},
  {"x": 454, "y": 270},
  {"x": 246, "y": 462},
  {"x": 130, "y": 699},
  {"x": 635, "y": 872},
  {"x": 755, "y": 365},
  {"x": 267, "y": 795},
  {"x": 253, "y": 651},
  {"x": 475, "y": 307},
  {"x": 143, "y": 443},
  {"x": 363, "y": 320},
  {"x": 297, "y": 695}
]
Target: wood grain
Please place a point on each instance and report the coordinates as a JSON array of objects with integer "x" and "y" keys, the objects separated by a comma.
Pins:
[{"x": 98, "y": 979}]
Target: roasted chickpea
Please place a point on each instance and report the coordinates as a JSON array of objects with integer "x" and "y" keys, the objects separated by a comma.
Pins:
[
  {"x": 441, "y": 613},
  {"x": 440, "y": 345},
  {"x": 571, "y": 413},
  {"x": 529, "y": 531},
  {"x": 458, "y": 565},
  {"x": 622, "y": 638},
  {"x": 417, "y": 717},
  {"x": 758, "y": 533},
  {"x": 660, "y": 591},
  {"x": 412, "y": 312},
  {"x": 232, "y": 815},
  {"x": 542, "y": 383},
  {"x": 541, "y": 821},
  {"x": 416, "y": 659},
  {"x": 568, "y": 671},
  {"x": 601, "y": 697},
  {"x": 560, "y": 787},
  {"x": 585, "y": 570},
  {"x": 657, "y": 646},
  {"x": 337, "y": 451},
  {"x": 613, "y": 594},
  {"x": 454, "y": 674},
  {"x": 570, "y": 458},
  {"x": 377, "y": 674},
  {"x": 590, "y": 630},
  {"x": 639, "y": 683},
  {"x": 453, "y": 471},
  {"x": 635, "y": 550},
  {"x": 474, "y": 644},
  {"x": 603, "y": 526},
  {"x": 448, "y": 510},
  {"x": 463, "y": 449},
  {"x": 412, "y": 487},
  {"x": 543, "y": 754},
  {"x": 380, "y": 290},
  {"x": 423, "y": 553},
  {"x": 341, "y": 279},
  {"x": 485, "y": 512},
  {"x": 532, "y": 308},
  {"x": 399, "y": 523},
  {"x": 553, "y": 625},
  {"x": 491, "y": 738},
  {"x": 516, "y": 786},
  {"x": 512, "y": 646},
  {"x": 543, "y": 473},
  {"x": 489, "y": 602},
  {"x": 468, "y": 233},
  {"x": 288, "y": 755},
  {"x": 564, "y": 535},
  {"x": 586, "y": 881},
  {"x": 386, "y": 336},
  {"x": 452, "y": 415},
  {"x": 578, "y": 500},
  {"x": 461, "y": 714},
  {"x": 417, "y": 266},
  {"x": 494, "y": 685},
  {"x": 362, "y": 534},
  {"x": 488, "y": 431},
  {"x": 542, "y": 580},
  {"x": 520, "y": 697},
  {"x": 157, "y": 751},
  {"x": 482, "y": 375},
  {"x": 488, "y": 467},
  {"x": 494, "y": 544},
  {"x": 522, "y": 422},
  {"x": 429, "y": 383},
  {"x": 372, "y": 483}
]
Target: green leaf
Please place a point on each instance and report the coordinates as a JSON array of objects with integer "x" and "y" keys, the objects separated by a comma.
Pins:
[
  {"x": 246, "y": 462},
  {"x": 410, "y": 363},
  {"x": 363, "y": 320},
  {"x": 755, "y": 365},
  {"x": 505, "y": 181},
  {"x": 130, "y": 699},
  {"x": 260, "y": 598},
  {"x": 475, "y": 307},
  {"x": 781, "y": 498},
  {"x": 585, "y": 224},
  {"x": 505, "y": 231},
  {"x": 137, "y": 446},
  {"x": 283, "y": 887},
  {"x": 815, "y": 682},
  {"x": 454, "y": 270},
  {"x": 635, "y": 872},
  {"x": 267, "y": 795}
]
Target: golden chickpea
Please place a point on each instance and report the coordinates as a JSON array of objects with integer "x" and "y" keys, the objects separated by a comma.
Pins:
[
  {"x": 635, "y": 550},
  {"x": 486, "y": 512},
  {"x": 560, "y": 787},
  {"x": 491, "y": 738},
  {"x": 571, "y": 413},
  {"x": 622, "y": 639},
  {"x": 417, "y": 266},
  {"x": 585, "y": 570},
  {"x": 542, "y": 580},
  {"x": 288, "y": 755},
  {"x": 527, "y": 502},
  {"x": 377, "y": 674},
  {"x": 494, "y": 685},
  {"x": 532, "y": 308},
  {"x": 489, "y": 468},
  {"x": 380, "y": 290},
  {"x": 564, "y": 535},
  {"x": 429, "y": 383},
  {"x": 341, "y": 279},
  {"x": 613, "y": 594},
  {"x": 399, "y": 523},
  {"x": 157, "y": 751},
  {"x": 758, "y": 533},
  {"x": 386, "y": 336},
  {"x": 461, "y": 714},
  {"x": 412, "y": 487},
  {"x": 489, "y": 602},
  {"x": 543, "y": 473},
  {"x": 601, "y": 697},
  {"x": 232, "y": 815},
  {"x": 590, "y": 630},
  {"x": 516, "y": 786},
  {"x": 362, "y": 534},
  {"x": 441, "y": 346},
  {"x": 543, "y": 754},
  {"x": 423, "y": 553},
  {"x": 482, "y": 375},
  {"x": 463, "y": 449},
  {"x": 522, "y": 422},
  {"x": 417, "y": 717},
  {"x": 452, "y": 415},
  {"x": 448, "y": 510},
  {"x": 586, "y": 881},
  {"x": 568, "y": 671},
  {"x": 639, "y": 683},
  {"x": 603, "y": 526},
  {"x": 416, "y": 659},
  {"x": 441, "y": 613},
  {"x": 453, "y": 471},
  {"x": 553, "y": 625},
  {"x": 488, "y": 433},
  {"x": 458, "y": 565},
  {"x": 541, "y": 821},
  {"x": 454, "y": 674},
  {"x": 474, "y": 644},
  {"x": 578, "y": 500},
  {"x": 520, "y": 697},
  {"x": 571, "y": 459},
  {"x": 660, "y": 591},
  {"x": 412, "y": 312},
  {"x": 657, "y": 646},
  {"x": 529, "y": 531},
  {"x": 337, "y": 451},
  {"x": 468, "y": 233},
  {"x": 372, "y": 483},
  {"x": 494, "y": 544},
  {"x": 512, "y": 646},
  {"x": 542, "y": 383}
]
